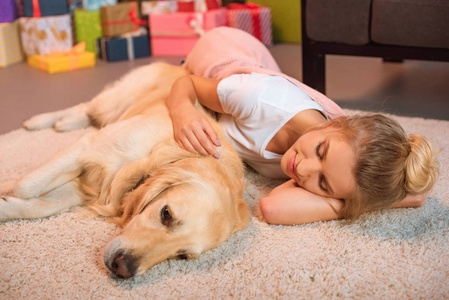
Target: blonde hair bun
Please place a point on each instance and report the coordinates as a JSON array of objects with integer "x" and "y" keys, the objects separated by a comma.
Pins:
[{"x": 421, "y": 165}]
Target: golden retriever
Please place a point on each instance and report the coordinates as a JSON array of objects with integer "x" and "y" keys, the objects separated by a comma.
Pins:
[{"x": 171, "y": 203}]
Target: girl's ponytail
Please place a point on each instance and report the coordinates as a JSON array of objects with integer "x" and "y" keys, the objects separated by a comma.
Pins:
[{"x": 421, "y": 166}]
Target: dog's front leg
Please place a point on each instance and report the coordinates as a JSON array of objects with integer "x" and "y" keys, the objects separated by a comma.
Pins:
[
  {"x": 57, "y": 201},
  {"x": 62, "y": 169}
]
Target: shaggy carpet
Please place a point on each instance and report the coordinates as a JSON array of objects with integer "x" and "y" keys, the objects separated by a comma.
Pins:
[{"x": 392, "y": 254}]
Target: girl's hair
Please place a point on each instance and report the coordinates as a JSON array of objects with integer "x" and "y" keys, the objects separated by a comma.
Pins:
[{"x": 388, "y": 163}]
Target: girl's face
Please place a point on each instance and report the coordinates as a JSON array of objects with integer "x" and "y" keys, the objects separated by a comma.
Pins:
[{"x": 321, "y": 162}]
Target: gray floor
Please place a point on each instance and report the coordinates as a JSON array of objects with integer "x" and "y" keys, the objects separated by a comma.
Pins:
[{"x": 412, "y": 88}]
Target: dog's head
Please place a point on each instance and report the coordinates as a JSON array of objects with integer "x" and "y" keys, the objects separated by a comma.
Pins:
[{"x": 184, "y": 208}]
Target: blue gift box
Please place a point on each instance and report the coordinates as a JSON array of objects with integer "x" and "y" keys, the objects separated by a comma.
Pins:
[
  {"x": 97, "y": 4},
  {"x": 123, "y": 48},
  {"x": 8, "y": 11},
  {"x": 47, "y": 8}
]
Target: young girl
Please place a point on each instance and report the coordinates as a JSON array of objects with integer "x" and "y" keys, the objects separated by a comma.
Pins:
[{"x": 339, "y": 167}]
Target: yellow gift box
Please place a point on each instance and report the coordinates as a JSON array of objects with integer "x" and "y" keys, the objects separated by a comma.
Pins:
[{"x": 56, "y": 62}]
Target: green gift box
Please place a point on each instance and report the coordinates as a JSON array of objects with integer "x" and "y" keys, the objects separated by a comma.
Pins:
[
  {"x": 88, "y": 28},
  {"x": 285, "y": 19}
]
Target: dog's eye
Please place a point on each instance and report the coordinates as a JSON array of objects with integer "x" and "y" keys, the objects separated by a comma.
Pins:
[
  {"x": 183, "y": 256},
  {"x": 166, "y": 216}
]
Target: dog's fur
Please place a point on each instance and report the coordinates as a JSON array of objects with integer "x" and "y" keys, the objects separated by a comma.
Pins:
[{"x": 170, "y": 202}]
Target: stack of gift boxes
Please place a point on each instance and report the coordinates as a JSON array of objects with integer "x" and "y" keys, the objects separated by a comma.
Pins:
[
  {"x": 175, "y": 26},
  {"x": 63, "y": 35}
]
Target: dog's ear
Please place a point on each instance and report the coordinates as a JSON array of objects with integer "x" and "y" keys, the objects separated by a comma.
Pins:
[
  {"x": 243, "y": 215},
  {"x": 136, "y": 201},
  {"x": 165, "y": 153}
]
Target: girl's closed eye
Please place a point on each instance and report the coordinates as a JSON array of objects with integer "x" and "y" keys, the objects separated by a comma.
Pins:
[
  {"x": 321, "y": 153},
  {"x": 319, "y": 150},
  {"x": 321, "y": 182}
]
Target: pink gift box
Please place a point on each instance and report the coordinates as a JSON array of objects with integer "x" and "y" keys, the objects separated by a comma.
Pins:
[
  {"x": 175, "y": 34},
  {"x": 252, "y": 18}
]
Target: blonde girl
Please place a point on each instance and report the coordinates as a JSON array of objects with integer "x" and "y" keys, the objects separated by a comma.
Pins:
[{"x": 337, "y": 166}]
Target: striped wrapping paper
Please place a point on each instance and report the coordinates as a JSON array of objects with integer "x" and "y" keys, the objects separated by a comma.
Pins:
[
  {"x": 10, "y": 48},
  {"x": 252, "y": 18}
]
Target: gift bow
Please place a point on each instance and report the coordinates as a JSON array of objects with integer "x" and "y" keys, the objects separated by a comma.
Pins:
[
  {"x": 79, "y": 48},
  {"x": 73, "y": 55},
  {"x": 254, "y": 10},
  {"x": 132, "y": 18}
]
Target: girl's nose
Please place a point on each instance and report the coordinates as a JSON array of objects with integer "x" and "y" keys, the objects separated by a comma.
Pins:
[{"x": 308, "y": 167}]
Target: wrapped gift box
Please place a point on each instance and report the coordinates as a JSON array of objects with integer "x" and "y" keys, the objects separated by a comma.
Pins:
[
  {"x": 123, "y": 48},
  {"x": 8, "y": 11},
  {"x": 252, "y": 18},
  {"x": 56, "y": 62},
  {"x": 10, "y": 48},
  {"x": 44, "y": 35},
  {"x": 97, "y": 4},
  {"x": 119, "y": 19},
  {"x": 38, "y": 8},
  {"x": 88, "y": 27},
  {"x": 177, "y": 33},
  {"x": 159, "y": 7}
]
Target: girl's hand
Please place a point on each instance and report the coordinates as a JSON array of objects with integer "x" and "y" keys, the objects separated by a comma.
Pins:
[
  {"x": 413, "y": 200},
  {"x": 193, "y": 132},
  {"x": 191, "y": 129}
]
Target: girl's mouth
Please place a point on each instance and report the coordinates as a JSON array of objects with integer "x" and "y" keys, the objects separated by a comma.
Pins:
[{"x": 291, "y": 164}]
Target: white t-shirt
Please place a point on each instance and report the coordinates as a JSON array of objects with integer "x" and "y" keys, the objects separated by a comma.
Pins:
[{"x": 257, "y": 106}]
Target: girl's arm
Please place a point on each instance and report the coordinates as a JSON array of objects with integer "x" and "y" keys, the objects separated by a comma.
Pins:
[
  {"x": 191, "y": 130},
  {"x": 289, "y": 204}
]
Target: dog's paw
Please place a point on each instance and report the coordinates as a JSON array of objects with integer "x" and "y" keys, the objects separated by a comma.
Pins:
[
  {"x": 72, "y": 122},
  {"x": 42, "y": 121},
  {"x": 11, "y": 208}
]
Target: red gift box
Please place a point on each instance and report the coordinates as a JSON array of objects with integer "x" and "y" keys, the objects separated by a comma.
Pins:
[
  {"x": 177, "y": 33},
  {"x": 252, "y": 18}
]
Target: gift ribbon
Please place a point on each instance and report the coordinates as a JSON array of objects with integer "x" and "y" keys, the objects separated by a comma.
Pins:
[
  {"x": 132, "y": 19},
  {"x": 130, "y": 46},
  {"x": 254, "y": 10},
  {"x": 36, "y": 9},
  {"x": 196, "y": 23},
  {"x": 73, "y": 55}
]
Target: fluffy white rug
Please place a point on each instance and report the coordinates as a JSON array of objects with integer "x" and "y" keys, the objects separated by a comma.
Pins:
[{"x": 394, "y": 254}]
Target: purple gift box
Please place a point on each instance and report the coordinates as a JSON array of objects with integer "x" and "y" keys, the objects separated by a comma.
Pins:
[{"x": 8, "y": 11}]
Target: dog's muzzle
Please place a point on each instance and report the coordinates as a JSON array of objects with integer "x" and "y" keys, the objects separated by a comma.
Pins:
[{"x": 118, "y": 261}]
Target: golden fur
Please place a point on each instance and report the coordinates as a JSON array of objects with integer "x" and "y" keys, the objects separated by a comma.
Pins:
[{"x": 170, "y": 202}]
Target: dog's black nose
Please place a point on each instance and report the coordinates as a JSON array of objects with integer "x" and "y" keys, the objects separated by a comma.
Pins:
[{"x": 123, "y": 266}]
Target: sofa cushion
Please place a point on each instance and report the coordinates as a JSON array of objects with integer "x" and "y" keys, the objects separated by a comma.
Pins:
[
  {"x": 419, "y": 23},
  {"x": 344, "y": 21}
]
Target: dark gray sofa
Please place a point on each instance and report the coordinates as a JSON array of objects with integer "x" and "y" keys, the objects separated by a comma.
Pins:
[{"x": 391, "y": 29}]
